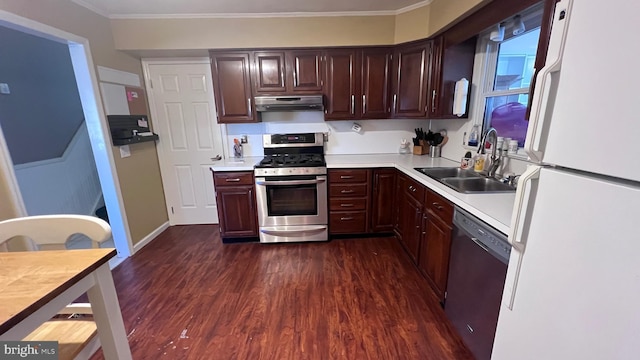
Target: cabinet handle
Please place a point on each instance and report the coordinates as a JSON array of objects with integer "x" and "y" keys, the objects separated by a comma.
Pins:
[
  {"x": 346, "y": 176},
  {"x": 437, "y": 206},
  {"x": 346, "y": 205},
  {"x": 410, "y": 187},
  {"x": 349, "y": 218},
  {"x": 346, "y": 191},
  {"x": 364, "y": 102},
  {"x": 433, "y": 100},
  {"x": 395, "y": 102},
  {"x": 249, "y": 103},
  {"x": 232, "y": 180},
  {"x": 295, "y": 79},
  {"x": 353, "y": 104}
]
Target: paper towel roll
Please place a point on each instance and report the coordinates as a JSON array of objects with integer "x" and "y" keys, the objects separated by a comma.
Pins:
[{"x": 460, "y": 97}]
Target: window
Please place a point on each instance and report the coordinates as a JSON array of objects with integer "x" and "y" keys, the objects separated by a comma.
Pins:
[{"x": 508, "y": 68}]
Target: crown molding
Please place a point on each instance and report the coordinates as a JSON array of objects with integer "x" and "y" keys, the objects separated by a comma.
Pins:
[
  {"x": 413, "y": 7},
  {"x": 104, "y": 13},
  {"x": 97, "y": 10}
]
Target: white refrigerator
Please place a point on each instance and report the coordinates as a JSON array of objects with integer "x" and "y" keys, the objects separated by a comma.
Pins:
[{"x": 573, "y": 283}]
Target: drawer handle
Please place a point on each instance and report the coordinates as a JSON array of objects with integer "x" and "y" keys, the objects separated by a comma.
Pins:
[
  {"x": 410, "y": 187},
  {"x": 232, "y": 180},
  {"x": 346, "y": 177},
  {"x": 346, "y": 191},
  {"x": 349, "y": 218},
  {"x": 437, "y": 205},
  {"x": 346, "y": 205}
]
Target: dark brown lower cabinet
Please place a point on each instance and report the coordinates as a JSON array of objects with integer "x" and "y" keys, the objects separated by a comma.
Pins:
[
  {"x": 434, "y": 252},
  {"x": 412, "y": 225},
  {"x": 236, "y": 204},
  {"x": 383, "y": 200}
]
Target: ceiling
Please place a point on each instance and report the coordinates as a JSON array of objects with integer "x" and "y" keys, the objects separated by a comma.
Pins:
[{"x": 240, "y": 8}]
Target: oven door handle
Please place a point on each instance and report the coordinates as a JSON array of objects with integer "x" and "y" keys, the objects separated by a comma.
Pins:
[{"x": 290, "y": 182}]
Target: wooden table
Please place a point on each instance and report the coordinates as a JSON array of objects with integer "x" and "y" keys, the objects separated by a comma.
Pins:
[{"x": 35, "y": 285}]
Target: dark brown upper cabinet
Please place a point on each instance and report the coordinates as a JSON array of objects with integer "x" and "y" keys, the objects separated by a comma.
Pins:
[
  {"x": 232, "y": 85},
  {"x": 305, "y": 67},
  {"x": 376, "y": 83},
  {"x": 341, "y": 91},
  {"x": 448, "y": 65},
  {"x": 357, "y": 83},
  {"x": 411, "y": 80},
  {"x": 269, "y": 72}
]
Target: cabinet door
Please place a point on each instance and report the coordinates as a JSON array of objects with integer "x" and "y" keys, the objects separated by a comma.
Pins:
[
  {"x": 305, "y": 67},
  {"x": 400, "y": 205},
  {"x": 342, "y": 76},
  {"x": 269, "y": 72},
  {"x": 448, "y": 65},
  {"x": 412, "y": 227},
  {"x": 237, "y": 212},
  {"x": 232, "y": 85},
  {"x": 383, "y": 206},
  {"x": 375, "y": 84},
  {"x": 410, "y": 81},
  {"x": 434, "y": 253}
]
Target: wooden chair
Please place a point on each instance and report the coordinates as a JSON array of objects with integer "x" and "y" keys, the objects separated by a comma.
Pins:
[{"x": 77, "y": 337}]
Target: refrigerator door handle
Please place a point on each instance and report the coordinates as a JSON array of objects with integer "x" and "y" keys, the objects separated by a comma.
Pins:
[
  {"x": 517, "y": 234},
  {"x": 547, "y": 77},
  {"x": 519, "y": 218}
]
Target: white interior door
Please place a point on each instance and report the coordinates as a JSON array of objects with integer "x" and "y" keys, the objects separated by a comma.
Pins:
[{"x": 181, "y": 101}]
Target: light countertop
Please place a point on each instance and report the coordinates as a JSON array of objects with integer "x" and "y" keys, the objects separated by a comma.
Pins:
[{"x": 494, "y": 209}]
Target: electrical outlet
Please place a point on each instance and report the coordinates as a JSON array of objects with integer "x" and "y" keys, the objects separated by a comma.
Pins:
[
  {"x": 4, "y": 89},
  {"x": 243, "y": 139}
]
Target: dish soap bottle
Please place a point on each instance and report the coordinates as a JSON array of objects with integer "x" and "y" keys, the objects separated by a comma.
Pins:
[{"x": 473, "y": 136}]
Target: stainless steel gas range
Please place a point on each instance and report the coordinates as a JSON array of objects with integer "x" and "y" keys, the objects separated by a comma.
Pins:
[{"x": 291, "y": 189}]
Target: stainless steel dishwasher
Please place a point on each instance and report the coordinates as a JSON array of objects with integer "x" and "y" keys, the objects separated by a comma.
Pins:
[{"x": 477, "y": 271}]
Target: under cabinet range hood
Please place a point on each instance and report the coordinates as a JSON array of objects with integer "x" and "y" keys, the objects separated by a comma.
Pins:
[{"x": 289, "y": 103}]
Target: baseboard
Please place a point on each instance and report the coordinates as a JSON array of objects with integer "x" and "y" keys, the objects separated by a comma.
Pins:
[{"x": 147, "y": 239}]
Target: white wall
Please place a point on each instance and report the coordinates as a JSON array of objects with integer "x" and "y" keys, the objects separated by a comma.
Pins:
[
  {"x": 377, "y": 136},
  {"x": 67, "y": 185}
]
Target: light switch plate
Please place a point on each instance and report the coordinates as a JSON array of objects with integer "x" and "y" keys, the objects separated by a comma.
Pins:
[
  {"x": 4, "y": 89},
  {"x": 125, "y": 151}
]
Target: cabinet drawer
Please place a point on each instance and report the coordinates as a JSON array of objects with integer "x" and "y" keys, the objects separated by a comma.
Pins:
[
  {"x": 348, "y": 222},
  {"x": 347, "y": 204},
  {"x": 232, "y": 178},
  {"x": 347, "y": 190},
  {"x": 440, "y": 206},
  {"x": 348, "y": 176},
  {"x": 414, "y": 189}
]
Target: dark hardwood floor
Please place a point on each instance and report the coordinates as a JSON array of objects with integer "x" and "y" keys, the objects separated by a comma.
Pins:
[{"x": 188, "y": 296}]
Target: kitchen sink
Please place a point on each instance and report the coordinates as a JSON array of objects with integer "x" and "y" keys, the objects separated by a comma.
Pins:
[
  {"x": 466, "y": 181},
  {"x": 448, "y": 172},
  {"x": 477, "y": 185}
]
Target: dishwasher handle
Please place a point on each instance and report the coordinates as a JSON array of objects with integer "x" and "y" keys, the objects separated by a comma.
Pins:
[{"x": 487, "y": 238}]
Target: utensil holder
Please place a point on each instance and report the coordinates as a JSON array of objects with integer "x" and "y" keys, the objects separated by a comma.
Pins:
[{"x": 434, "y": 151}]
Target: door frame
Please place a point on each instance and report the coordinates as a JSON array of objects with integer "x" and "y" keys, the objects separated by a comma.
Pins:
[
  {"x": 87, "y": 81},
  {"x": 146, "y": 62}
]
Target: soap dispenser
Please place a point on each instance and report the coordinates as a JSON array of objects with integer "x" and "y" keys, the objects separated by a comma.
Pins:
[{"x": 474, "y": 135}]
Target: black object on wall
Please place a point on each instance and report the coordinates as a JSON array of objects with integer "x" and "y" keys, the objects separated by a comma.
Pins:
[{"x": 126, "y": 129}]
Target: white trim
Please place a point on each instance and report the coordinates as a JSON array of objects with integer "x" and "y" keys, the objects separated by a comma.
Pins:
[
  {"x": 109, "y": 75},
  {"x": 413, "y": 7},
  {"x": 173, "y": 61},
  {"x": 267, "y": 15},
  {"x": 95, "y": 9},
  {"x": 85, "y": 73},
  {"x": 6, "y": 170},
  {"x": 147, "y": 239}
]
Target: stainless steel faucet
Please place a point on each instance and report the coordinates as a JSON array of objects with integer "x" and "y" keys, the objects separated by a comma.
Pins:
[{"x": 492, "y": 137}]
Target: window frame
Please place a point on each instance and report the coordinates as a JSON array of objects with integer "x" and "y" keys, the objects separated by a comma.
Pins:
[{"x": 487, "y": 60}]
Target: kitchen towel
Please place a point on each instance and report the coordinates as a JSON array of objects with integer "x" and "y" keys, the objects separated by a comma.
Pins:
[{"x": 460, "y": 97}]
